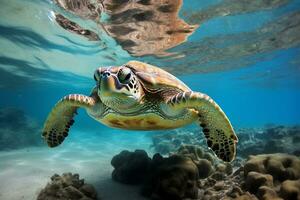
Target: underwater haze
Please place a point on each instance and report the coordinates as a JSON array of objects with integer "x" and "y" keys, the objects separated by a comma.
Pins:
[{"x": 244, "y": 54}]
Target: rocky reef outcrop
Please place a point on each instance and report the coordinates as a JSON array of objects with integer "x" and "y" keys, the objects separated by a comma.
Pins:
[
  {"x": 192, "y": 173},
  {"x": 17, "y": 129},
  {"x": 67, "y": 186},
  {"x": 130, "y": 167},
  {"x": 173, "y": 177}
]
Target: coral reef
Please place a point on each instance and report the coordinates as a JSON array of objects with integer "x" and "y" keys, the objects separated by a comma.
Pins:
[
  {"x": 264, "y": 177},
  {"x": 192, "y": 173},
  {"x": 280, "y": 166},
  {"x": 270, "y": 139},
  {"x": 17, "y": 129},
  {"x": 268, "y": 172},
  {"x": 67, "y": 186},
  {"x": 173, "y": 177},
  {"x": 168, "y": 142}
]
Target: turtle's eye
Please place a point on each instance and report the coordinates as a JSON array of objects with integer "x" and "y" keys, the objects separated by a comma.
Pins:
[
  {"x": 124, "y": 75},
  {"x": 97, "y": 74}
]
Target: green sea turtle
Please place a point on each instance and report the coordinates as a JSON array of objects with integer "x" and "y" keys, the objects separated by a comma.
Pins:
[{"x": 139, "y": 96}]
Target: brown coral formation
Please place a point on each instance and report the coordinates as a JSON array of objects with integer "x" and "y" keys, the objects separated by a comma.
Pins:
[
  {"x": 280, "y": 166},
  {"x": 67, "y": 186},
  {"x": 290, "y": 189},
  {"x": 174, "y": 177},
  {"x": 273, "y": 175},
  {"x": 264, "y": 177},
  {"x": 145, "y": 27},
  {"x": 171, "y": 178},
  {"x": 130, "y": 167},
  {"x": 192, "y": 173},
  {"x": 204, "y": 160}
]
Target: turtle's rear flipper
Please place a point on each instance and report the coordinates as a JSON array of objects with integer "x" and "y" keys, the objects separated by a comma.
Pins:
[
  {"x": 216, "y": 126},
  {"x": 60, "y": 119}
]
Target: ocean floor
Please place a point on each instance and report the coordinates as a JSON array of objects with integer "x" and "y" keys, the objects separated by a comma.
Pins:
[{"x": 24, "y": 172}]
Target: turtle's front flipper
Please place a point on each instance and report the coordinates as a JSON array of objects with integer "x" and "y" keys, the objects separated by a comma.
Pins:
[
  {"x": 60, "y": 118},
  {"x": 216, "y": 126}
]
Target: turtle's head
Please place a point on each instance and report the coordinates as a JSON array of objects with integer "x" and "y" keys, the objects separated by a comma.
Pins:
[{"x": 118, "y": 87}]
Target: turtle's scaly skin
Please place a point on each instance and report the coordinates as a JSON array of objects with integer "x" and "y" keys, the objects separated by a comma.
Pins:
[{"x": 139, "y": 96}]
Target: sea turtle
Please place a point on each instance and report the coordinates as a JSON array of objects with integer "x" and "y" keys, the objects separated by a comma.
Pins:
[{"x": 139, "y": 96}]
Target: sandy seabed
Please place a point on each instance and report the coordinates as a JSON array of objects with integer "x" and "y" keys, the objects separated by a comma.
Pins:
[{"x": 24, "y": 172}]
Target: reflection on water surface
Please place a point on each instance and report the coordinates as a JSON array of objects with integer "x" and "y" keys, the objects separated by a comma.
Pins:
[
  {"x": 140, "y": 27},
  {"x": 183, "y": 37}
]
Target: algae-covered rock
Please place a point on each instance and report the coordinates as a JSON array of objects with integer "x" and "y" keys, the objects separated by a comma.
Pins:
[
  {"x": 172, "y": 178},
  {"x": 67, "y": 187},
  {"x": 130, "y": 167}
]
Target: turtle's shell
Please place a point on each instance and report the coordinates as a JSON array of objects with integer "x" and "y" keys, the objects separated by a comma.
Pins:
[{"x": 154, "y": 78}]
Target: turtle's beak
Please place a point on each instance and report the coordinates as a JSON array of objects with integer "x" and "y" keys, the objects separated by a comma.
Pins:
[
  {"x": 107, "y": 84},
  {"x": 110, "y": 84}
]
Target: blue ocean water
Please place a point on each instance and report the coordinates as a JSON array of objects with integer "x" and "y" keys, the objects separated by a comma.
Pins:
[{"x": 244, "y": 54}]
